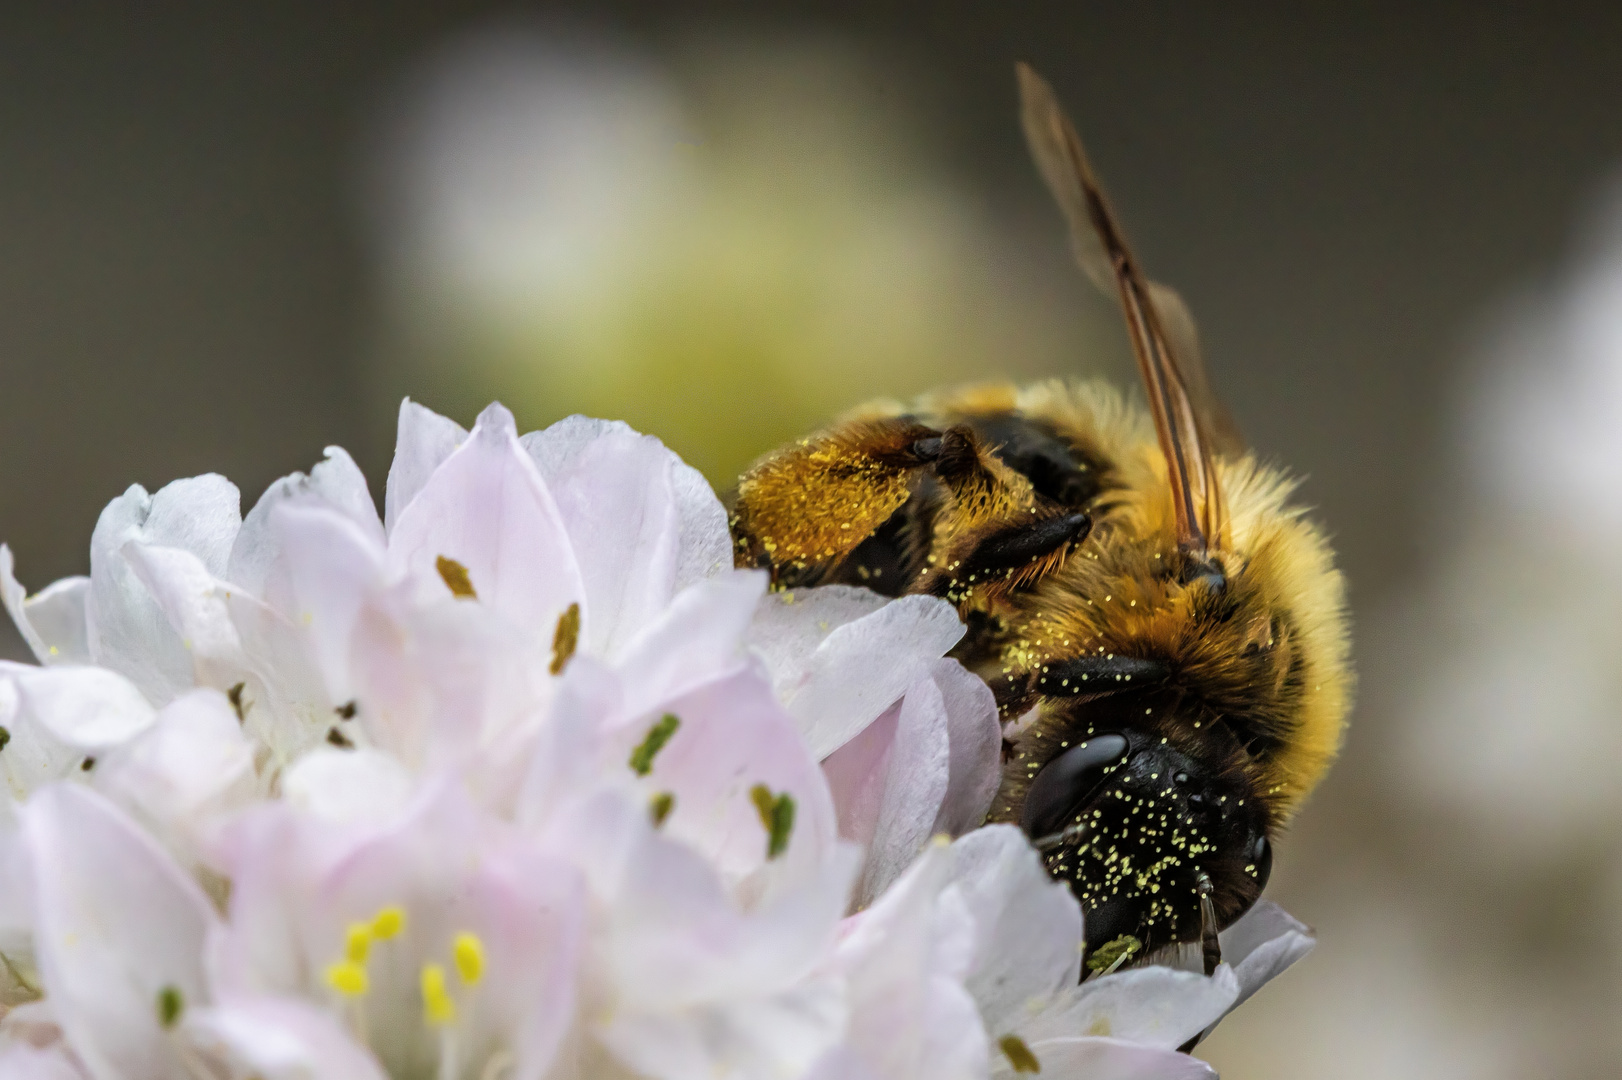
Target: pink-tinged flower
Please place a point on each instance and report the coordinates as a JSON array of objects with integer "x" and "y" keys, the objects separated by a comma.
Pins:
[{"x": 523, "y": 779}]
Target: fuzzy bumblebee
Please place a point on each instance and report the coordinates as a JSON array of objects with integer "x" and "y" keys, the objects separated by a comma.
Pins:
[{"x": 1165, "y": 633}]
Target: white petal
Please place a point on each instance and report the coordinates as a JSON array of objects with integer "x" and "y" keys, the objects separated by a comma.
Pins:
[
  {"x": 127, "y": 628},
  {"x": 790, "y": 624},
  {"x": 904, "y": 959},
  {"x": 976, "y": 746},
  {"x": 705, "y": 544},
  {"x": 197, "y": 606},
  {"x": 332, "y": 568},
  {"x": 19, "y": 1061},
  {"x": 118, "y": 923},
  {"x": 191, "y": 766},
  {"x": 424, "y": 440},
  {"x": 1265, "y": 941},
  {"x": 864, "y": 666},
  {"x": 84, "y": 708},
  {"x": 1108, "y": 1059},
  {"x": 697, "y": 639},
  {"x": 53, "y": 620},
  {"x": 488, "y": 509},
  {"x": 613, "y": 488},
  {"x": 1028, "y": 925},
  {"x": 356, "y": 787},
  {"x": 279, "y": 1039},
  {"x": 1153, "y": 1006},
  {"x": 916, "y": 777},
  {"x": 336, "y": 483}
]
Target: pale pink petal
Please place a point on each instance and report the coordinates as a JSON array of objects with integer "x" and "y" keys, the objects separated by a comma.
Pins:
[
  {"x": 916, "y": 773},
  {"x": 1151, "y": 1006},
  {"x": 52, "y": 621},
  {"x": 697, "y": 639},
  {"x": 975, "y": 736},
  {"x": 614, "y": 492},
  {"x": 1265, "y": 941},
  {"x": 118, "y": 924},
  {"x": 424, "y": 440},
  {"x": 333, "y": 566},
  {"x": 191, "y": 767},
  {"x": 85, "y": 709},
  {"x": 733, "y": 735},
  {"x": 487, "y": 508},
  {"x": 336, "y": 483},
  {"x": 790, "y": 624},
  {"x": 361, "y": 786},
  {"x": 19, "y": 1061},
  {"x": 1108, "y": 1059},
  {"x": 1028, "y": 937},
  {"x": 904, "y": 959},
  {"x": 857, "y": 774},
  {"x": 196, "y": 605},
  {"x": 861, "y": 668},
  {"x": 127, "y": 629},
  {"x": 278, "y": 1038}
]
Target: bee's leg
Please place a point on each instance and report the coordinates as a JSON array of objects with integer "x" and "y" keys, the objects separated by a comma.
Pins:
[
  {"x": 996, "y": 532},
  {"x": 799, "y": 512}
]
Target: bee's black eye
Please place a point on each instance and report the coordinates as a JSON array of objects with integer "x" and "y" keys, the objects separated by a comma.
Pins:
[
  {"x": 927, "y": 449},
  {"x": 1068, "y": 782}
]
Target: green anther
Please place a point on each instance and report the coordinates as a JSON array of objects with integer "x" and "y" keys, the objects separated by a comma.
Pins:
[
  {"x": 776, "y": 815},
  {"x": 5, "y": 737},
  {"x": 170, "y": 1005},
  {"x": 642, "y": 757},
  {"x": 1019, "y": 1055},
  {"x": 660, "y": 806},
  {"x": 1112, "y": 954},
  {"x": 234, "y": 696},
  {"x": 565, "y": 639},
  {"x": 454, "y": 575}
]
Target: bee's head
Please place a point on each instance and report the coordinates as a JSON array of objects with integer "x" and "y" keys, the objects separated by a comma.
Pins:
[{"x": 1132, "y": 819}]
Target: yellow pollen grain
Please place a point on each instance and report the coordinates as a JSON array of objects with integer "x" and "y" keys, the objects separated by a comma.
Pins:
[
  {"x": 469, "y": 953},
  {"x": 437, "y": 1006},
  {"x": 348, "y": 978},
  {"x": 357, "y": 942}
]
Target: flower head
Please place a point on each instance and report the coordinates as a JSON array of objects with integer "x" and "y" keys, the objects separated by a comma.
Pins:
[{"x": 523, "y": 779}]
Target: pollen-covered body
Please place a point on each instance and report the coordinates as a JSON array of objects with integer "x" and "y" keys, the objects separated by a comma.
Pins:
[{"x": 1227, "y": 670}]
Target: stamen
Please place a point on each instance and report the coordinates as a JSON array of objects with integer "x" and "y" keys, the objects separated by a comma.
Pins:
[
  {"x": 660, "y": 806},
  {"x": 1019, "y": 1055},
  {"x": 358, "y": 942},
  {"x": 565, "y": 638},
  {"x": 642, "y": 757},
  {"x": 437, "y": 1006},
  {"x": 469, "y": 953},
  {"x": 234, "y": 696},
  {"x": 454, "y": 574},
  {"x": 171, "y": 1004},
  {"x": 348, "y": 978},
  {"x": 388, "y": 922},
  {"x": 777, "y": 815}
]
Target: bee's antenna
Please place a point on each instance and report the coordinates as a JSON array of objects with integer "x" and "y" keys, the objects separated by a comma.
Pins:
[{"x": 1072, "y": 834}]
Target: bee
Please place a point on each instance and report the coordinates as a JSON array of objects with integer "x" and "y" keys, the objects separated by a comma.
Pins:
[{"x": 1165, "y": 632}]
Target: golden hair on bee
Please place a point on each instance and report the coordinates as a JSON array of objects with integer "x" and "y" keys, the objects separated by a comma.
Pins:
[{"x": 1165, "y": 632}]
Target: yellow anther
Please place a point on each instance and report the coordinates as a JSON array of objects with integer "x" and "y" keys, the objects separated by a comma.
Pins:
[
  {"x": 437, "y": 1006},
  {"x": 348, "y": 978},
  {"x": 357, "y": 942},
  {"x": 469, "y": 953},
  {"x": 388, "y": 922}
]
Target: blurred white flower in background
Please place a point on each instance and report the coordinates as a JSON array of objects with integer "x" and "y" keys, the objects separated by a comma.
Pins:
[
  {"x": 747, "y": 225},
  {"x": 524, "y": 779}
]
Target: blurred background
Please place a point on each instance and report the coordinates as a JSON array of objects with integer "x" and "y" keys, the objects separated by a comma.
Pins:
[{"x": 233, "y": 234}]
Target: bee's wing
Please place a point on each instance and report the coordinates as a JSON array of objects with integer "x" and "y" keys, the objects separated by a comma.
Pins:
[{"x": 1162, "y": 331}]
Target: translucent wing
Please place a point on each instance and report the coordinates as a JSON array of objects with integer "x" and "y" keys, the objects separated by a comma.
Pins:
[{"x": 1163, "y": 336}]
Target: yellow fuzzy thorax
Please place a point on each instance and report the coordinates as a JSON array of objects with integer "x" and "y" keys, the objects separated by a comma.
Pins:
[{"x": 1282, "y": 660}]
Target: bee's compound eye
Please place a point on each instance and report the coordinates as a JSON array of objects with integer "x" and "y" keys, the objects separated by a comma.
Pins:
[
  {"x": 1260, "y": 856},
  {"x": 1068, "y": 782}
]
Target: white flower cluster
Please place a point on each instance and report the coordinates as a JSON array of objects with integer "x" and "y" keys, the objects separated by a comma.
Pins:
[{"x": 523, "y": 781}]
